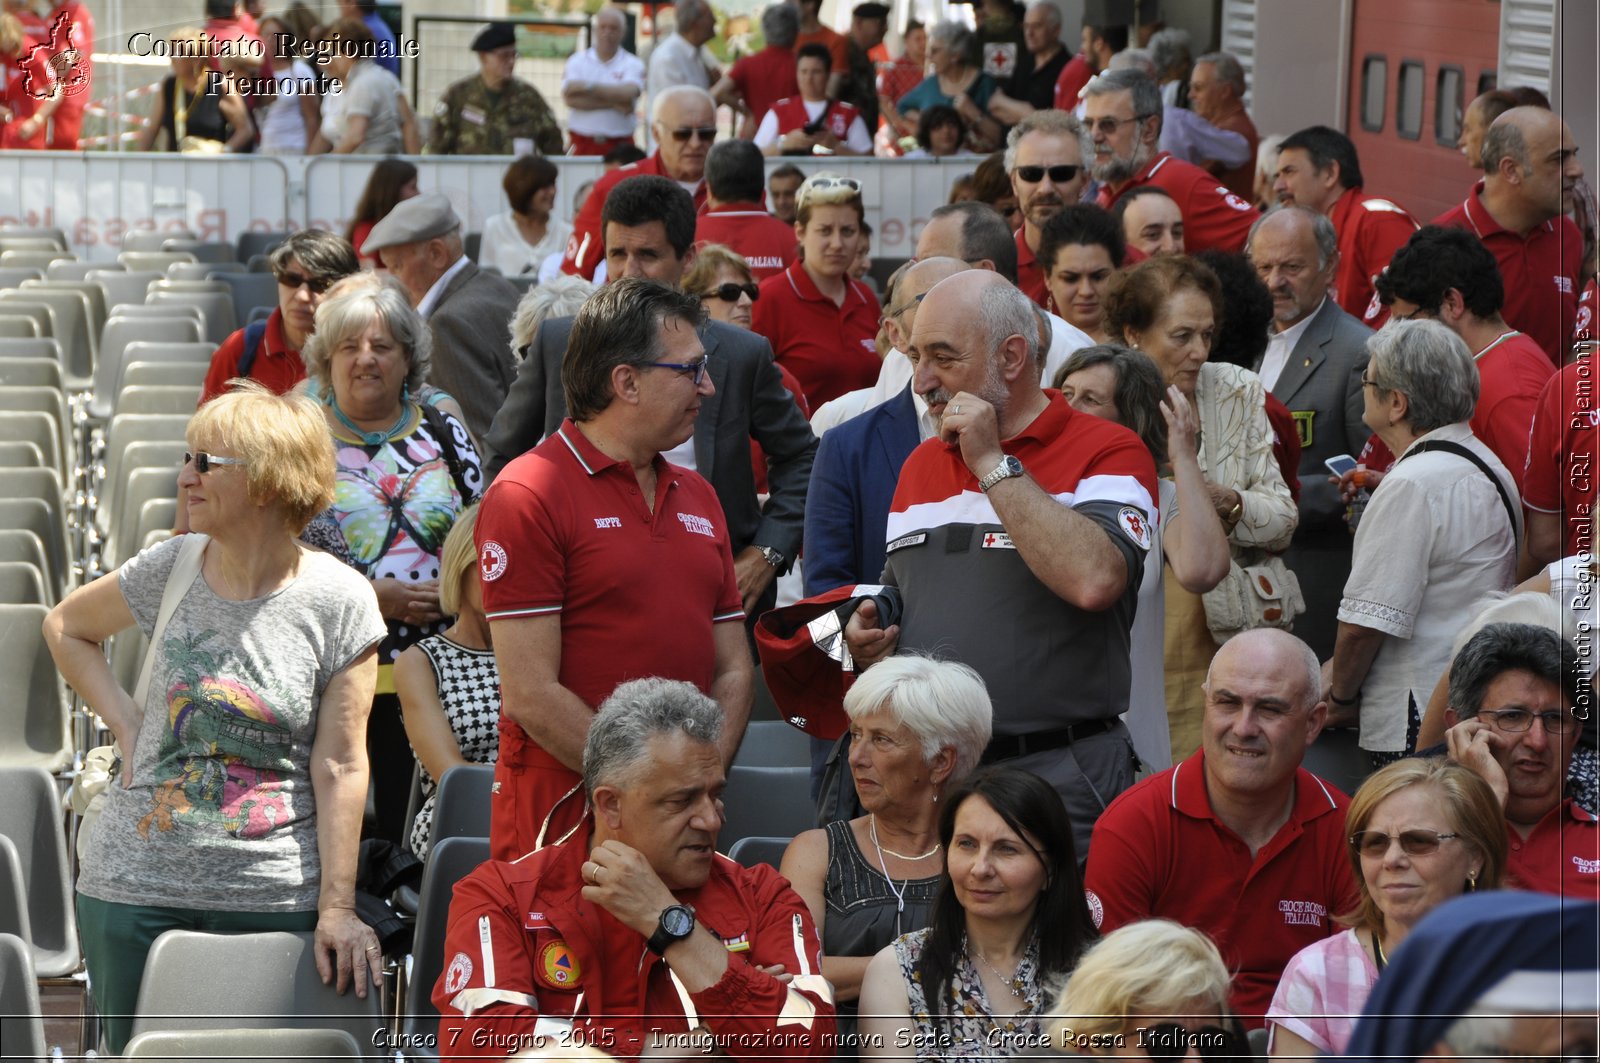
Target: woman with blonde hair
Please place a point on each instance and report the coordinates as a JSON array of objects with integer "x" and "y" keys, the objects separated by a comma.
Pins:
[
  {"x": 1150, "y": 984},
  {"x": 1421, "y": 831},
  {"x": 243, "y": 774},
  {"x": 195, "y": 118}
]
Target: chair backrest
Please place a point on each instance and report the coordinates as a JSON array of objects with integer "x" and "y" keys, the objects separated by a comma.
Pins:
[
  {"x": 748, "y": 852},
  {"x": 122, "y": 286},
  {"x": 132, "y": 427},
  {"x": 152, "y": 239},
  {"x": 20, "y": 242},
  {"x": 186, "y": 374},
  {"x": 156, "y": 518},
  {"x": 21, "y": 454},
  {"x": 198, "y": 271},
  {"x": 259, "y": 1046},
  {"x": 40, "y": 428},
  {"x": 71, "y": 328},
  {"x": 20, "y": 544},
  {"x": 17, "y": 326},
  {"x": 38, "y": 397},
  {"x": 30, "y": 372},
  {"x": 153, "y": 260},
  {"x": 139, "y": 454},
  {"x": 22, "y": 584},
  {"x": 36, "y": 515},
  {"x": 451, "y": 860},
  {"x": 21, "y": 1020},
  {"x": 119, "y": 332},
  {"x": 31, "y": 816},
  {"x": 765, "y": 803},
  {"x": 39, "y": 260},
  {"x": 250, "y": 291},
  {"x": 14, "y": 895},
  {"x": 95, "y": 294},
  {"x": 33, "y": 703},
  {"x": 461, "y": 809},
  {"x": 202, "y": 250},
  {"x": 216, "y": 307},
  {"x": 148, "y": 484},
  {"x": 57, "y": 236},
  {"x": 773, "y": 744},
  {"x": 15, "y": 276},
  {"x": 252, "y": 244},
  {"x": 63, "y": 270},
  {"x": 272, "y": 983},
  {"x": 30, "y": 483},
  {"x": 37, "y": 346},
  {"x": 44, "y": 319},
  {"x": 180, "y": 398}
]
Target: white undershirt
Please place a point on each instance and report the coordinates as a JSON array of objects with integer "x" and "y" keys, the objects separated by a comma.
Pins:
[{"x": 1280, "y": 345}]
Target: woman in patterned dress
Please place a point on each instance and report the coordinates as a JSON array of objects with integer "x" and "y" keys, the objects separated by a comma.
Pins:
[
  {"x": 405, "y": 470},
  {"x": 1009, "y": 924},
  {"x": 448, "y": 684}
]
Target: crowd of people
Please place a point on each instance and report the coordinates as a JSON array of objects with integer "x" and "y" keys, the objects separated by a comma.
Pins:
[{"x": 1071, "y": 546}]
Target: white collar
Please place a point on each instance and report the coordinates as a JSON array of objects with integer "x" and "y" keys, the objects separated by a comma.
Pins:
[{"x": 430, "y": 301}]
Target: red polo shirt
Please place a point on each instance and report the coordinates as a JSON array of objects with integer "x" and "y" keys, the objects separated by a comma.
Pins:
[
  {"x": 1560, "y": 474},
  {"x": 1159, "y": 852},
  {"x": 277, "y": 365},
  {"x": 767, "y": 245},
  {"x": 1212, "y": 215},
  {"x": 1512, "y": 373},
  {"x": 565, "y": 532},
  {"x": 584, "y": 247},
  {"x": 766, "y": 77},
  {"x": 1030, "y": 274},
  {"x": 28, "y": 78},
  {"x": 830, "y": 349},
  {"x": 1561, "y": 856},
  {"x": 1370, "y": 231},
  {"x": 1540, "y": 271},
  {"x": 1074, "y": 76}
]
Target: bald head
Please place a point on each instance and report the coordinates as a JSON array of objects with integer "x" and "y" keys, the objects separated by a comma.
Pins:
[
  {"x": 1278, "y": 652},
  {"x": 919, "y": 277},
  {"x": 1530, "y": 162}
]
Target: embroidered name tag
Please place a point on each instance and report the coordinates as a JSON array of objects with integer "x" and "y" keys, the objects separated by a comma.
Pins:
[
  {"x": 998, "y": 541},
  {"x": 905, "y": 541}
]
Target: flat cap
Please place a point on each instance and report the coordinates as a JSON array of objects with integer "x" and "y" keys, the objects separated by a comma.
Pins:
[
  {"x": 418, "y": 218},
  {"x": 494, "y": 35}
]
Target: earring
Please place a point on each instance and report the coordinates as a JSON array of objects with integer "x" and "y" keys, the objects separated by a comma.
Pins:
[{"x": 1472, "y": 882}]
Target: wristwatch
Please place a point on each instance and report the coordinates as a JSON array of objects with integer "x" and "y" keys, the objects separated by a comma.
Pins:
[
  {"x": 772, "y": 557},
  {"x": 1008, "y": 467},
  {"x": 675, "y": 924}
]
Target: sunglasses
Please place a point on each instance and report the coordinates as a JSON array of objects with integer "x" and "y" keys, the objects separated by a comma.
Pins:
[
  {"x": 1058, "y": 174},
  {"x": 818, "y": 184},
  {"x": 203, "y": 461},
  {"x": 1415, "y": 842},
  {"x": 730, "y": 292},
  {"x": 318, "y": 285},
  {"x": 706, "y": 133},
  {"x": 697, "y": 369}
]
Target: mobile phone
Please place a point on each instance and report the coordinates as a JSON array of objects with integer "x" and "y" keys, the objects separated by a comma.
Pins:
[{"x": 1340, "y": 464}]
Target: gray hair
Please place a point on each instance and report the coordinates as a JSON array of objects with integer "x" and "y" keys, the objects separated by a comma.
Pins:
[
  {"x": 1504, "y": 140},
  {"x": 562, "y": 296},
  {"x": 680, "y": 92},
  {"x": 1529, "y": 607},
  {"x": 1500, "y": 648},
  {"x": 984, "y": 235},
  {"x": 942, "y": 703},
  {"x": 688, "y": 12},
  {"x": 1169, "y": 48},
  {"x": 637, "y": 711},
  {"x": 1228, "y": 69},
  {"x": 1005, "y": 312},
  {"x": 1050, "y": 122},
  {"x": 322, "y": 254},
  {"x": 1321, "y": 228},
  {"x": 957, "y": 38},
  {"x": 1430, "y": 366},
  {"x": 612, "y": 11},
  {"x": 1051, "y": 10},
  {"x": 1146, "y": 93},
  {"x": 346, "y": 311},
  {"x": 780, "y": 24},
  {"x": 1135, "y": 59}
]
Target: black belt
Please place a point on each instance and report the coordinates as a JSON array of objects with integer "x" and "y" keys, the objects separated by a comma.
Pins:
[{"x": 1008, "y": 747}]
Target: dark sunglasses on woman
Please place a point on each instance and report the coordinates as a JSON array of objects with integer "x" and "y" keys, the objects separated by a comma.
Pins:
[{"x": 729, "y": 292}]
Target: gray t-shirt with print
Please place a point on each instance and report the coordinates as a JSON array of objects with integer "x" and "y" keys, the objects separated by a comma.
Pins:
[{"x": 221, "y": 813}]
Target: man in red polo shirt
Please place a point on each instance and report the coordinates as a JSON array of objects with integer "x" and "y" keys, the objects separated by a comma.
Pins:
[
  {"x": 1447, "y": 275},
  {"x": 1518, "y": 209},
  {"x": 1238, "y": 841},
  {"x": 1100, "y": 44},
  {"x": 684, "y": 123},
  {"x": 1045, "y": 161},
  {"x": 734, "y": 217},
  {"x": 601, "y": 562},
  {"x": 1514, "y": 694},
  {"x": 1559, "y": 483},
  {"x": 1318, "y": 169},
  {"x": 305, "y": 264},
  {"x": 758, "y": 81},
  {"x": 1122, "y": 121}
]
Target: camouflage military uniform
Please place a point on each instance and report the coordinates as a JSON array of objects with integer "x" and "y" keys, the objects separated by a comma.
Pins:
[{"x": 471, "y": 121}]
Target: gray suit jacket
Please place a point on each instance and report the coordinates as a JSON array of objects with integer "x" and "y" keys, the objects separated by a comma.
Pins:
[
  {"x": 1321, "y": 385},
  {"x": 750, "y": 403},
  {"x": 471, "y": 326}
]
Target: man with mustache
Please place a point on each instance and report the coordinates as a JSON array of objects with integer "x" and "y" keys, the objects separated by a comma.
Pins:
[
  {"x": 1122, "y": 128},
  {"x": 1045, "y": 161}
]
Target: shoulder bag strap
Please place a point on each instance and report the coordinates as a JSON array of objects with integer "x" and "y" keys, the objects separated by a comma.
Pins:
[
  {"x": 254, "y": 333},
  {"x": 179, "y": 580},
  {"x": 439, "y": 426},
  {"x": 1448, "y": 447}
]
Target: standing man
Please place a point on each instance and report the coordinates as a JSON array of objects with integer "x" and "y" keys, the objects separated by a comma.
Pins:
[
  {"x": 1122, "y": 125},
  {"x": 71, "y": 33},
  {"x": 467, "y": 310},
  {"x": 758, "y": 81},
  {"x": 1238, "y": 841},
  {"x": 783, "y": 191},
  {"x": 1313, "y": 363},
  {"x": 494, "y": 112},
  {"x": 1216, "y": 93},
  {"x": 1044, "y": 157},
  {"x": 1318, "y": 169},
  {"x": 1518, "y": 209},
  {"x": 602, "y": 562},
  {"x": 734, "y": 217},
  {"x": 682, "y": 59},
  {"x": 684, "y": 126},
  {"x": 1100, "y": 45},
  {"x": 869, "y": 24},
  {"x": 1016, "y": 541},
  {"x": 812, "y": 31},
  {"x": 1033, "y": 86},
  {"x": 601, "y": 86}
]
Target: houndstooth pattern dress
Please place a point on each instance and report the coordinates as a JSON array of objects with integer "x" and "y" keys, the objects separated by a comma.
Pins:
[{"x": 469, "y": 691}]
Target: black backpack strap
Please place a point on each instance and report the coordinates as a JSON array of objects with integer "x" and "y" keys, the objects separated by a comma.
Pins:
[
  {"x": 254, "y": 334},
  {"x": 1449, "y": 447},
  {"x": 439, "y": 427}
]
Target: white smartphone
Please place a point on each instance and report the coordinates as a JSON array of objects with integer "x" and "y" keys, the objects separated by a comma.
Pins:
[{"x": 1340, "y": 464}]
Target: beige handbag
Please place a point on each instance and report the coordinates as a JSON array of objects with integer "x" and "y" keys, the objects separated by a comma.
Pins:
[{"x": 1265, "y": 594}]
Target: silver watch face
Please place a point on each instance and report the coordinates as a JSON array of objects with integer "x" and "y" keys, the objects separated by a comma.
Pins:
[{"x": 677, "y": 921}]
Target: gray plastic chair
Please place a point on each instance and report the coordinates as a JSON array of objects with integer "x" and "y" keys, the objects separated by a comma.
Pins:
[
  {"x": 461, "y": 809},
  {"x": 773, "y": 744},
  {"x": 215, "y": 306},
  {"x": 32, "y": 483},
  {"x": 52, "y": 401},
  {"x": 74, "y": 271},
  {"x": 156, "y": 518},
  {"x": 22, "y": 584},
  {"x": 185, "y": 374},
  {"x": 766, "y": 803},
  {"x": 21, "y": 1019},
  {"x": 147, "y": 399},
  {"x": 57, "y": 235},
  {"x": 19, "y": 242},
  {"x": 16, "y": 326},
  {"x": 250, "y": 291},
  {"x": 137, "y": 454},
  {"x": 42, "y": 430},
  {"x": 123, "y": 286},
  {"x": 271, "y": 983},
  {"x": 20, "y": 454},
  {"x": 748, "y": 852},
  {"x": 232, "y": 1046},
  {"x": 35, "y": 515},
  {"x": 202, "y": 250},
  {"x": 133, "y": 427},
  {"x": 32, "y": 818},
  {"x": 142, "y": 240},
  {"x": 151, "y": 483},
  {"x": 253, "y": 244},
  {"x": 451, "y": 860},
  {"x": 93, "y": 294},
  {"x": 30, "y": 372},
  {"x": 20, "y": 544},
  {"x": 39, "y": 345},
  {"x": 71, "y": 328},
  {"x": 122, "y": 330},
  {"x": 14, "y": 276},
  {"x": 139, "y": 261},
  {"x": 14, "y": 895},
  {"x": 39, "y": 260},
  {"x": 194, "y": 356}
]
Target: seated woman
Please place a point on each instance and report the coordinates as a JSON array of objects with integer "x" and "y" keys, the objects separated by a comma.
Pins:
[
  {"x": 519, "y": 240},
  {"x": 392, "y": 181},
  {"x": 957, "y": 77},
  {"x": 916, "y": 725},
  {"x": 561, "y": 296},
  {"x": 940, "y": 132},
  {"x": 1150, "y": 990},
  {"x": 1421, "y": 831},
  {"x": 448, "y": 684},
  {"x": 1009, "y": 923},
  {"x": 1123, "y": 385},
  {"x": 725, "y": 284}
]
